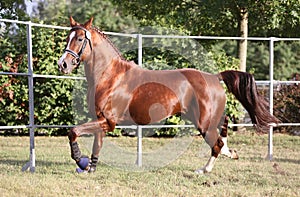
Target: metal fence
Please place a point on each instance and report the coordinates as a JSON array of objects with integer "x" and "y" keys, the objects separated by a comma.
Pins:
[{"x": 30, "y": 75}]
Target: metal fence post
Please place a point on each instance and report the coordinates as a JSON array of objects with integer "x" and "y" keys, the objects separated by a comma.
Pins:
[
  {"x": 31, "y": 163},
  {"x": 271, "y": 73},
  {"x": 139, "y": 146},
  {"x": 140, "y": 49},
  {"x": 139, "y": 128}
]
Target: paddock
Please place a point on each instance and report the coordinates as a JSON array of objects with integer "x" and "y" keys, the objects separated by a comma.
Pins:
[
  {"x": 251, "y": 175},
  {"x": 32, "y": 126}
]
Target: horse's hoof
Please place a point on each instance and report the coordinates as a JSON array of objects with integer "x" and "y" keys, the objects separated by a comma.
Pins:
[
  {"x": 200, "y": 171},
  {"x": 79, "y": 171},
  {"x": 234, "y": 154},
  {"x": 83, "y": 163},
  {"x": 92, "y": 169}
]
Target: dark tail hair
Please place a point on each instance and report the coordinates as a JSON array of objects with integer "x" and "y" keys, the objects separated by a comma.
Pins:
[{"x": 242, "y": 86}]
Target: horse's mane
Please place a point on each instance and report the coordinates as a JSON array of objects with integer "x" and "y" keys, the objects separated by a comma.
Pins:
[
  {"x": 105, "y": 37},
  {"x": 122, "y": 62}
]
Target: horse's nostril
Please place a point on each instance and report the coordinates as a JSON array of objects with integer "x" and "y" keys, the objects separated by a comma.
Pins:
[{"x": 64, "y": 65}]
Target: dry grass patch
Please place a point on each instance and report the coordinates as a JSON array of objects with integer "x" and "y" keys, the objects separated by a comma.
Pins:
[{"x": 251, "y": 175}]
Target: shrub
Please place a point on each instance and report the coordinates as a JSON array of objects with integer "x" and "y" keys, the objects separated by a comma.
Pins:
[
  {"x": 13, "y": 89},
  {"x": 52, "y": 100},
  {"x": 287, "y": 104}
]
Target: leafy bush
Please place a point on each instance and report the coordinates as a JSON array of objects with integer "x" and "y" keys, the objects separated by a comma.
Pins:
[
  {"x": 13, "y": 89},
  {"x": 287, "y": 104},
  {"x": 52, "y": 100},
  {"x": 53, "y": 97}
]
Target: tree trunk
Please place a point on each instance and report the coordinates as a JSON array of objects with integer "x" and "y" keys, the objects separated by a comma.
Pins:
[
  {"x": 243, "y": 24},
  {"x": 242, "y": 52}
]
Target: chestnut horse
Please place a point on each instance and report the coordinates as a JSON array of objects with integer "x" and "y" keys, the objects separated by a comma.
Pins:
[{"x": 121, "y": 92}]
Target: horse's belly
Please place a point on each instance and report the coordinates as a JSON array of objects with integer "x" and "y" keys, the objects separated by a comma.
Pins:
[{"x": 152, "y": 102}]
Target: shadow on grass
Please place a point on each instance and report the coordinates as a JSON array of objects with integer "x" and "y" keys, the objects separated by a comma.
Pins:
[
  {"x": 286, "y": 160},
  {"x": 41, "y": 167},
  {"x": 11, "y": 162},
  {"x": 52, "y": 167},
  {"x": 275, "y": 159}
]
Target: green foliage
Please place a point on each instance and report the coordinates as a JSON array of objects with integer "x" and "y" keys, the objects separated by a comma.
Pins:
[
  {"x": 169, "y": 132},
  {"x": 13, "y": 89},
  {"x": 52, "y": 97},
  {"x": 233, "y": 108},
  {"x": 105, "y": 14},
  {"x": 13, "y": 9},
  {"x": 115, "y": 133},
  {"x": 286, "y": 58},
  {"x": 218, "y": 17}
]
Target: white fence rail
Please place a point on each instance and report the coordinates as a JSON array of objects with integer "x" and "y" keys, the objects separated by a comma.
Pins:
[{"x": 31, "y": 164}]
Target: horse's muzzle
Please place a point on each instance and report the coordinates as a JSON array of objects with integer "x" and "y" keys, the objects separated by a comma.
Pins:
[{"x": 63, "y": 67}]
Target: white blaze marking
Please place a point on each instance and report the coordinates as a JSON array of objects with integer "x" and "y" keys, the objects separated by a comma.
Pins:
[{"x": 60, "y": 61}]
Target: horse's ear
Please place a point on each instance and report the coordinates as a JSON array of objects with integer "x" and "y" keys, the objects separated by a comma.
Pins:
[
  {"x": 73, "y": 22},
  {"x": 88, "y": 24}
]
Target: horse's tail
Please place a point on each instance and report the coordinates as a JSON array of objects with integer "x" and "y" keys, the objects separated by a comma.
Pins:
[{"x": 242, "y": 86}]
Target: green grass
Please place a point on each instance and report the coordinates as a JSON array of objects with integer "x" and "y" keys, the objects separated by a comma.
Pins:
[{"x": 251, "y": 175}]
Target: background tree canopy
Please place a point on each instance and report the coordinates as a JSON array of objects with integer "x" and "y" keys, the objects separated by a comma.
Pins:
[
  {"x": 278, "y": 18},
  {"x": 53, "y": 98}
]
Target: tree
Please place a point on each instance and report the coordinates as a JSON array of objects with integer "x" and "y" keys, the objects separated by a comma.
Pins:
[
  {"x": 106, "y": 16},
  {"x": 217, "y": 17},
  {"x": 279, "y": 18},
  {"x": 13, "y": 9}
]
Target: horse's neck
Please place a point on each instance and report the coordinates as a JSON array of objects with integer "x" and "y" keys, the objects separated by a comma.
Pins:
[{"x": 100, "y": 61}]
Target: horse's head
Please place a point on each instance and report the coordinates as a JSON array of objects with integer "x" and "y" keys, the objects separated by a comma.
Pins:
[{"x": 77, "y": 48}]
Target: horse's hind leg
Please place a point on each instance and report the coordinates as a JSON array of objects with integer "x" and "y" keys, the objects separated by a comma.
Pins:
[
  {"x": 218, "y": 146},
  {"x": 213, "y": 139},
  {"x": 225, "y": 150},
  {"x": 98, "y": 141}
]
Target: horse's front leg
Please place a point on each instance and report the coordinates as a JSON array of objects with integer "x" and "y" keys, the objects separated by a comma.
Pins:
[
  {"x": 83, "y": 162},
  {"x": 98, "y": 141}
]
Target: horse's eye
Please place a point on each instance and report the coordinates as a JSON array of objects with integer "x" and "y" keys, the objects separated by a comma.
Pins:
[{"x": 80, "y": 39}]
